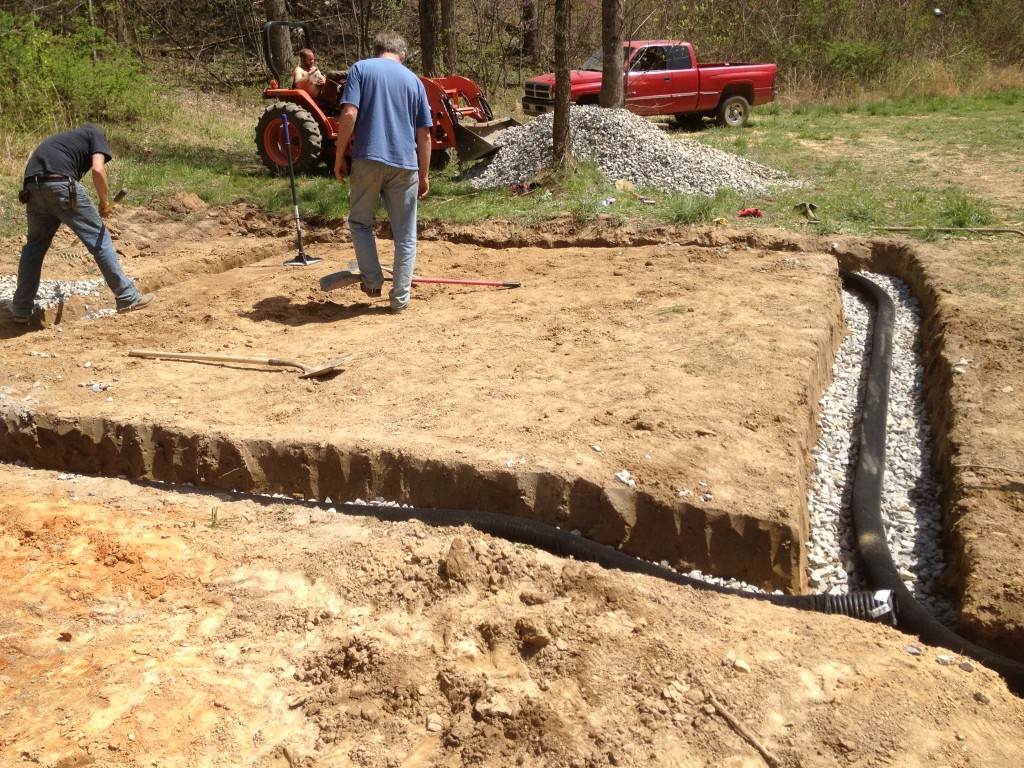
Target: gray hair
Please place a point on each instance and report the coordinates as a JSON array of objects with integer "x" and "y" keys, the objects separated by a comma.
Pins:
[{"x": 390, "y": 42}]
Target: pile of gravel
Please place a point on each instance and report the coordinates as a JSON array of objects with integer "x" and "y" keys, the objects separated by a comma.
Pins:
[{"x": 626, "y": 146}]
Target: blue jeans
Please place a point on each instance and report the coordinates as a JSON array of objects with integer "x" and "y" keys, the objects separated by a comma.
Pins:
[
  {"x": 49, "y": 206},
  {"x": 399, "y": 187}
]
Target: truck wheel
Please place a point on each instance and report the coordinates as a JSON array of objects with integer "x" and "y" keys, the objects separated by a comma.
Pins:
[
  {"x": 690, "y": 121},
  {"x": 303, "y": 131},
  {"x": 733, "y": 112}
]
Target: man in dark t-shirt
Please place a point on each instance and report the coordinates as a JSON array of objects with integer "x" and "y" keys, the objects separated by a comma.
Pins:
[{"x": 53, "y": 195}]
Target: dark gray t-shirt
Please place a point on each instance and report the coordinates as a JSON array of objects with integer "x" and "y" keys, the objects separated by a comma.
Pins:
[{"x": 69, "y": 153}]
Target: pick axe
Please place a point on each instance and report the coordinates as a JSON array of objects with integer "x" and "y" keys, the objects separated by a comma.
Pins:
[{"x": 808, "y": 209}]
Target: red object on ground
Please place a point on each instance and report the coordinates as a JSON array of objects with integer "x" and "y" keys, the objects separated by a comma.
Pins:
[{"x": 751, "y": 212}]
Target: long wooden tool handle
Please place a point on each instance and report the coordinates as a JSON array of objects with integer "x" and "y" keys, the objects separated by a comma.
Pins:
[
  {"x": 211, "y": 358},
  {"x": 448, "y": 281}
]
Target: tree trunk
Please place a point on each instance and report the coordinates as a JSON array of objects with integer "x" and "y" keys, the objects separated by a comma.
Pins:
[
  {"x": 448, "y": 31},
  {"x": 611, "y": 43},
  {"x": 361, "y": 17},
  {"x": 529, "y": 32},
  {"x": 563, "y": 88},
  {"x": 280, "y": 40},
  {"x": 428, "y": 37}
]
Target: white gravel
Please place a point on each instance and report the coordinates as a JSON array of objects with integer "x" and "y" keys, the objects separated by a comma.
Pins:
[
  {"x": 625, "y": 146},
  {"x": 910, "y": 494},
  {"x": 55, "y": 292},
  {"x": 51, "y": 292}
]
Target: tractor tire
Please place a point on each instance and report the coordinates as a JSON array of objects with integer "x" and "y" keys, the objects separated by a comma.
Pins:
[
  {"x": 439, "y": 159},
  {"x": 733, "y": 112},
  {"x": 303, "y": 132}
]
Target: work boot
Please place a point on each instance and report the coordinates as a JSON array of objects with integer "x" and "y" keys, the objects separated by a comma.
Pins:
[
  {"x": 141, "y": 303},
  {"x": 373, "y": 293}
]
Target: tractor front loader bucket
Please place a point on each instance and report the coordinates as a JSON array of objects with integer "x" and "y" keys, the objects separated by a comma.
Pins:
[{"x": 476, "y": 140}]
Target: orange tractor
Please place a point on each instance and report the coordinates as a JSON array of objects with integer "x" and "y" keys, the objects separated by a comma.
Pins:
[{"x": 463, "y": 119}]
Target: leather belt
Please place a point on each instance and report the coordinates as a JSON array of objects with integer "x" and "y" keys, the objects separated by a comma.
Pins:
[{"x": 40, "y": 177}]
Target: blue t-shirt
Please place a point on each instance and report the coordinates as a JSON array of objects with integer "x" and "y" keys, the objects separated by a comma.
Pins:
[{"x": 392, "y": 105}]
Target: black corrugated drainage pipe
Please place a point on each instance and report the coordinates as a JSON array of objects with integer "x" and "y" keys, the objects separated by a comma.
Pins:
[
  {"x": 867, "y": 499},
  {"x": 861, "y": 605},
  {"x": 891, "y": 602}
]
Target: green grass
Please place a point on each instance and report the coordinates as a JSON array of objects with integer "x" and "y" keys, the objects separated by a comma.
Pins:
[
  {"x": 900, "y": 163},
  {"x": 914, "y": 162}
]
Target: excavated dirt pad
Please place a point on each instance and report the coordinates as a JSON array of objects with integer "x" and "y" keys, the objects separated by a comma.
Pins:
[
  {"x": 157, "y": 626},
  {"x": 694, "y": 369}
]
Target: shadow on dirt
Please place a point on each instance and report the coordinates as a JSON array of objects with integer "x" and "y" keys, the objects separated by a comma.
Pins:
[{"x": 281, "y": 310}]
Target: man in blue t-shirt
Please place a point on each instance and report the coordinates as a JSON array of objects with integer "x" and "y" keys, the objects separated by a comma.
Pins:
[
  {"x": 53, "y": 195},
  {"x": 390, "y": 158}
]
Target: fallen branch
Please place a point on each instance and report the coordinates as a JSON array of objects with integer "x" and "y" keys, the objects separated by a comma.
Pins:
[
  {"x": 980, "y": 230},
  {"x": 743, "y": 731}
]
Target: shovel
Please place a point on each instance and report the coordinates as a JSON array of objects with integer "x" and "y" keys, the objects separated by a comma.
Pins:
[
  {"x": 308, "y": 372},
  {"x": 351, "y": 276}
]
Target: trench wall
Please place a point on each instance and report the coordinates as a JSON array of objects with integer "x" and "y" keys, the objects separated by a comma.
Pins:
[{"x": 694, "y": 537}]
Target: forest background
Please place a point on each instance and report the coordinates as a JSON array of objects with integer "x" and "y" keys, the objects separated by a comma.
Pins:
[{"x": 71, "y": 59}]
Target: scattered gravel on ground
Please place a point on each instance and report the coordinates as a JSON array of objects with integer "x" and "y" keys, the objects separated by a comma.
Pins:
[
  {"x": 625, "y": 146},
  {"x": 51, "y": 292}
]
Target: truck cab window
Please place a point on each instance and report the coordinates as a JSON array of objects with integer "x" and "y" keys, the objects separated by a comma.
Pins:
[
  {"x": 650, "y": 59},
  {"x": 679, "y": 57}
]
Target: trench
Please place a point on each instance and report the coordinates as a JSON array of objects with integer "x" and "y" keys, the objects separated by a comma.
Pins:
[{"x": 706, "y": 539}]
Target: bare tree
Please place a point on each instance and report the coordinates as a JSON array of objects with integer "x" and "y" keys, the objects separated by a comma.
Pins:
[
  {"x": 428, "y": 37},
  {"x": 449, "y": 35},
  {"x": 528, "y": 26},
  {"x": 280, "y": 40},
  {"x": 611, "y": 44},
  {"x": 563, "y": 87}
]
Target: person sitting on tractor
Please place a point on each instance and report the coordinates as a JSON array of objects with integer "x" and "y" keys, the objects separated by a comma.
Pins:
[{"x": 307, "y": 75}]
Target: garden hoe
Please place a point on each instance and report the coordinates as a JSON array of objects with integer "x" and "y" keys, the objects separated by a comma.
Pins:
[
  {"x": 351, "y": 276},
  {"x": 308, "y": 372}
]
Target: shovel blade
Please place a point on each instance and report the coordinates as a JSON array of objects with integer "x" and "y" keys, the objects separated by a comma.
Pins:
[
  {"x": 341, "y": 279},
  {"x": 326, "y": 368}
]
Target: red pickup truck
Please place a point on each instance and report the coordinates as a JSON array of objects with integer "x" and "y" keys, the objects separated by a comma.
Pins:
[{"x": 662, "y": 77}]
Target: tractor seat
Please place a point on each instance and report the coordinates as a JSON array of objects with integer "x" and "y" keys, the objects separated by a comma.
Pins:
[{"x": 329, "y": 99}]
